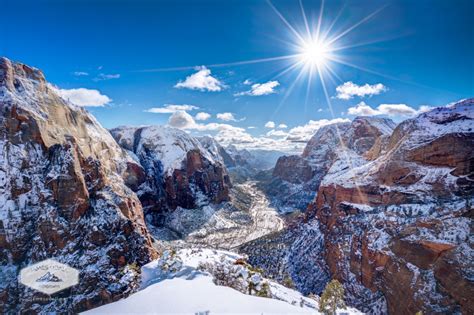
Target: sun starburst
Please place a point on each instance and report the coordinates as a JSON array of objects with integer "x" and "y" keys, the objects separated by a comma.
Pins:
[{"x": 315, "y": 53}]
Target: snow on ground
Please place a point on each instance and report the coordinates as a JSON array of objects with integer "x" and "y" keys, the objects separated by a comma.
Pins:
[
  {"x": 171, "y": 145},
  {"x": 184, "y": 282},
  {"x": 199, "y": 295},
  {"x": 224, "y": 226}
]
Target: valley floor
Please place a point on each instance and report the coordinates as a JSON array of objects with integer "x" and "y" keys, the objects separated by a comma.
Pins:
[{"x": 249, "y": 216}]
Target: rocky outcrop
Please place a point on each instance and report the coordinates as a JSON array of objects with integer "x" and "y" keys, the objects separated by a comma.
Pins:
[
  {"x": 296, "y": 178},
  {"x": 218, "y": 152},
  {"x": 396, "y": 217},
  {"x": 62, "y": 196},
  {"x": 178, "y": 170},
  {"x": 293, "y": 169}
]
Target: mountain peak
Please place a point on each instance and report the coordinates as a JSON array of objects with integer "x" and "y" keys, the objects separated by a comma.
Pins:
[{"x": 12, "y": 72}]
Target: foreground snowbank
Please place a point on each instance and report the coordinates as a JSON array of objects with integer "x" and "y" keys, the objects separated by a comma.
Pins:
[{"x": 183, "y": 283}]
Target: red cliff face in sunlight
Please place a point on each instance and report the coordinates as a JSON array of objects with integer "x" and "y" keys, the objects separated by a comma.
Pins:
[
  {"x": 62, "y": 196},
  {"x": 398, "y": 220}
]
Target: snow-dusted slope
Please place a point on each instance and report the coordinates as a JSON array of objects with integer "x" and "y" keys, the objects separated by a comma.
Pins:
[
  {"x": 62, "y": 196},
  {"x": 397, "y": 222},
  {"x": 169, "y": 145},
  {"x": 178, "y": 170},
  {"x": 204, "y": 280},
  {"x": 296, "y": 178},
  {"x": 217, "y": 151}
]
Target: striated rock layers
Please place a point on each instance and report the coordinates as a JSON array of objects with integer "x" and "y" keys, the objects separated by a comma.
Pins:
[
  {"x": 176, "y": 170},
  {"x": 397, "y": 220},
  {"x": 299, "y": 176},
  {"x": 63, "y": 196}
]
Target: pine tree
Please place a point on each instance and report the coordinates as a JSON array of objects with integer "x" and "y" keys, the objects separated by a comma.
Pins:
[{"x": 332, "y": 298}]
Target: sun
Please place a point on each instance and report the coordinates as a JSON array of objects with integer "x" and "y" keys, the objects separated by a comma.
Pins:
[{"x": 315, "y": 53}]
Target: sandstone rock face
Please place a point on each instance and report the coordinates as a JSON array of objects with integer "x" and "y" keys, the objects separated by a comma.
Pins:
[
  {"x": 300, "y": 176},
  {"x": 293, "y": 169},
  {"x": 396, "y": 217},
  {"x": 179, "y": 170},
  {"x": 62, "y": 196}
]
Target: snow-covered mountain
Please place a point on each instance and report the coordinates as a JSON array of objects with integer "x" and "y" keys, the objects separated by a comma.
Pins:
[
  {"x": 178, "y": 170},
  {"x": 400, "y": 222},
  {"x": 254, "y": 160},
  {"x": 63, "y": 196},
  {"x": 296, "y": 178},
  {"x": 218, "y": 152},
  {"x": 394, "y": 215}
]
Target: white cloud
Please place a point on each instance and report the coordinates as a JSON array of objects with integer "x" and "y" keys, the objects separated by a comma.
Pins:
[
  {"x": 202, "y": 80},
  {"x": 282, "y": 126},
  {"x": 305, "y": 132},
  {"x": 291, "y": 141},
  {"x": 247, "y": 82},
  {"x": 270, "y": 124},
  {"x": 362, "y": 109},
  {"x": 226, "y": 117},
  {"x": 171, "y": 108},
  {"x": 182, "y": 120},
  {"x": 202, "y": 116},
  {"x": 80, "y": 73},
  {"x": 103, "y": 76},
  {"x": 320, "y": 110},
  {"x": 424, "y": 109},
  {"x": 349, "y": 89},
  {"x": 259, "y": 89},
  {"x": 251, "y": 127},
  {"x": 277, "y": 133},
  {"x": 83, "y": 97},
  {"x": 396, "y": 110}
]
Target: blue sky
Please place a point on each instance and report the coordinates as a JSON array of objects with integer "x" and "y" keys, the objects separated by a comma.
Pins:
[{"x": 409, "y": 56}]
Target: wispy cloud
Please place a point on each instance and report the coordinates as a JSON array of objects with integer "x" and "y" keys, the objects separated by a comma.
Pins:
[
  {"x": 202, "y": 80},
  {"x": 104, "y": 76},
  {"x": 259, "y": 89},
  {"x": 282, "y": 126},
  {"x": 362, "y": 109},
  {"x": 171, "y": 108},
  {"x": 277, "y": 133},
  {"x": 80, "y": 73},
  {"x": 83, "y": 97},
  {"x": 349, "y": 89}
]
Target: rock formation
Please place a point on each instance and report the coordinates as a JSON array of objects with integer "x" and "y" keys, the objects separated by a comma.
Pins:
[
  {"x": 178, "y": 171},
  {"x": 397, "y": 219},
  {"x": 297, "y": 177},
  {"x": 62, "y": 196}
]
